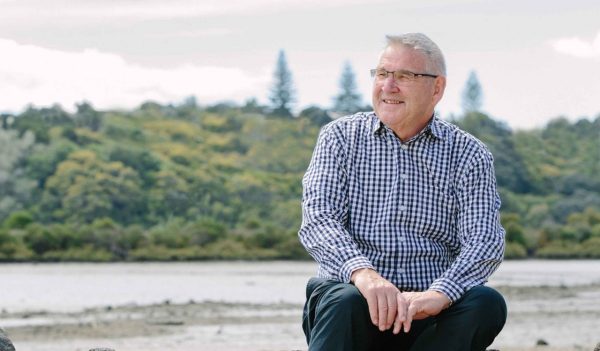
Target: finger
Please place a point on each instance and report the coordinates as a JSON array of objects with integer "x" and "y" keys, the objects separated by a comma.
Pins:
[
  {"x": 383, "y": 312},
  {"x": 373, "y": 308},
  {"x": 392, "y": 303},
  {"x": 400, "y": 314},
  {"x": 410, "y": 313}
]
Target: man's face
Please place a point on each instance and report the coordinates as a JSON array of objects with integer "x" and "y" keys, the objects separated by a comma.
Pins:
[{"x": 409, "y": 105}]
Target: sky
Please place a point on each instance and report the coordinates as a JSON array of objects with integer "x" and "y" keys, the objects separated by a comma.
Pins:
[{"x": 535, "y": 60}]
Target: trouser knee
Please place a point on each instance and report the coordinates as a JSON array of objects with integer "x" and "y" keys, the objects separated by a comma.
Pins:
[
  {"x": 487, "y": 306},
  {"x": 335, "y": 314}
]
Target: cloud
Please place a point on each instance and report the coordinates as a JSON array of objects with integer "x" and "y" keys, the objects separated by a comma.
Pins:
[
  {"x": 155, "y": 9},
  {"x": 578, "y": 47},
  {"x": 42, "y": 76}
]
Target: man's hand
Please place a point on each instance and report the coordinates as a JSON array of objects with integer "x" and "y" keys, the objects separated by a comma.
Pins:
[
  {"x": 386, "y": 304},
  {"x": 422, "y": 305}
]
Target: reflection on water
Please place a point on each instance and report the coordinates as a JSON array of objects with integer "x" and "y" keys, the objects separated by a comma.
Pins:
[{"x": 69, "y": 287}]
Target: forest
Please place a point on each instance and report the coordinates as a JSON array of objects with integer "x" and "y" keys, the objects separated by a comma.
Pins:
[{"x": 189, "y": 182}]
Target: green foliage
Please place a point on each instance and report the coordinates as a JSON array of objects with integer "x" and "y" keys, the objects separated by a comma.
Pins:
[
  {"x": 511, "y": 172},
  {"x": 12, "y": 247},
  {"x": 282, "y": 92},
  {"x": 15, "y": 188},
  {"x": 18, "y": 220},
  {"x": 184, "y": 182},
  {"x": 472, "y": 96},
  {"x": 316, "y": 115},
  {"x": 514, "y": 251},
  {"x": 84, "y": 188},
  {"x": 348, "y": 101},
  {"x": 39, "y": 121}
]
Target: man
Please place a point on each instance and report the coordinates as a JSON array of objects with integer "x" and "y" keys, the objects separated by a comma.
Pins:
[{"x": 401, "y": 211}]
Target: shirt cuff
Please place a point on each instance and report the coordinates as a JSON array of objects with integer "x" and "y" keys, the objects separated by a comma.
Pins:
[
  {"x": 351, "y": 265},
  {"x": 449, "y": 288}
]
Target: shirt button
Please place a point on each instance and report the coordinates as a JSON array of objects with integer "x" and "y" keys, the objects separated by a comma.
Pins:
[
  {"x": 404, "y": 176},
  {"x": 404, "y": 146},
  {"x": 402, "y": 208},
  {"x": 401, "y": 239},
  {"x": 400, "y": 270}
]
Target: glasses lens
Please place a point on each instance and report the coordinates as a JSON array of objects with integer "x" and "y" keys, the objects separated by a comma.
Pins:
[{"x": 403, "y": 77}]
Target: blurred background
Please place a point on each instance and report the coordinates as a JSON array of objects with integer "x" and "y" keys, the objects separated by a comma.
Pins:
[{"x": 135, "y": 135}]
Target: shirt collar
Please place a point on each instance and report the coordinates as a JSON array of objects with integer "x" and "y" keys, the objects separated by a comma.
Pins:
[{"x": 435, "y": 127}]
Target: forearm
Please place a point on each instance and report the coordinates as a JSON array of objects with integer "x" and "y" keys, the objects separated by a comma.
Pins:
[
  {"x": 470, "y": 269},
  {"x": 329, "y": 243}
]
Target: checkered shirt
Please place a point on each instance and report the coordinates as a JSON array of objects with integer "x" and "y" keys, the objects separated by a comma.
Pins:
[{"x": 423, "y": 213}]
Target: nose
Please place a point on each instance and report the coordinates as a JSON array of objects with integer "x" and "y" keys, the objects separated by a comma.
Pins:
[{"x": 389, "y": 84}]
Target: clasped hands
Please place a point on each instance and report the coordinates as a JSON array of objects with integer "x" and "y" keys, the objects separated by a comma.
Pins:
[{"x": 388, "y": 306}]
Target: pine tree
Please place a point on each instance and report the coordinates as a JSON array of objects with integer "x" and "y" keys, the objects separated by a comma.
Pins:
[
  {"x": 472, "y": 97},
  {"x": 282, "y": 92},
  {"x": 348, "y": 101}
]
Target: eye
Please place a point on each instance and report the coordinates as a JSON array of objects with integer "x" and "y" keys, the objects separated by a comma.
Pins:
[
  {"x": 404, "y": 76},
  {"x": 381, "y": 73}
]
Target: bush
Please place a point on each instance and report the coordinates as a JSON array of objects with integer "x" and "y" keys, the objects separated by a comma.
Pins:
[
  {"x": 83, "y": 254},
  {"x": 515, "y": 251},
  {"x": 591, "y": 248},
  {"x": 18, "y": 220},
  {"x": 12, "y": 248},
  {"x": 560, "y": 249}
]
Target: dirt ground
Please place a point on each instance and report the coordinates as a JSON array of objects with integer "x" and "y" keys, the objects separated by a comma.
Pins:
[{"x": 565, "y": 318}]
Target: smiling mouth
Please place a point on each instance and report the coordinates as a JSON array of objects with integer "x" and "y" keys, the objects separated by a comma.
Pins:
[{"x": 393, "y": 102}]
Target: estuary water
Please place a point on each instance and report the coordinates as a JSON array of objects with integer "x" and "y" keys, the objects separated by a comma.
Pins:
[
  {"x": 75, "y": 286},
  {"x": 254, "y": 306}
]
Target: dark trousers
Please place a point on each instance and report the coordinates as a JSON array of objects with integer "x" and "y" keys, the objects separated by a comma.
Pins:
[{"x": 336, "y": 317}]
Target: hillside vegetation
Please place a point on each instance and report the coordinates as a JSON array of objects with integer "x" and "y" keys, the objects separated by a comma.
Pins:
[{"x": 224, "y": 182}]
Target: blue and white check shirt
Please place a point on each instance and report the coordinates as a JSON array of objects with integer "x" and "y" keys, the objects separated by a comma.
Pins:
[{"x": 423, "y": 213}]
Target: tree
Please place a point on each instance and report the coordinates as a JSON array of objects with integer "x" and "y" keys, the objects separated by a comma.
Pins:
[
  {"x": 348, "y": 101},
  {"x": 15, "y": 187},
  {"x": 85, "y": 188},
  {"x": 282, "y": 92},
  {"x": 87, "y": 117},
  {"x": 472, "y": 97},
  {"x": 316, "y": 115}
]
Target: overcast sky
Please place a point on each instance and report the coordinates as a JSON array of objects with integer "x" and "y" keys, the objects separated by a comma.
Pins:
[{"x": 536, "y": 60}]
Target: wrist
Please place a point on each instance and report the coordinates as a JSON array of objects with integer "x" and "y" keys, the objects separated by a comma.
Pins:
[
  {"x": 447, "y": 302},
  {"x": 359, "y": 272}
]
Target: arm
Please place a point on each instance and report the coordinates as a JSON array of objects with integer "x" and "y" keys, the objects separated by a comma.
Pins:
[
  {"x": 480, "y": 233},
  {"x": 325, "y": 210}
]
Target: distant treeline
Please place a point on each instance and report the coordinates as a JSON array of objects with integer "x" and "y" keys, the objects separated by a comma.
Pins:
[{"x": 186, "y": 182}]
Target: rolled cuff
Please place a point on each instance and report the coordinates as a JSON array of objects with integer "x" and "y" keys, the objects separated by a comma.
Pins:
[
  {"x": 449, "y": 288},
  {"x": 351, "y": 265}
]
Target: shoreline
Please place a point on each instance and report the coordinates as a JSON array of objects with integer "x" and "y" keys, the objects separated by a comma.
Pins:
[
  {"x": 253, "y": 306},
  {"x": 215, "y": 326}
]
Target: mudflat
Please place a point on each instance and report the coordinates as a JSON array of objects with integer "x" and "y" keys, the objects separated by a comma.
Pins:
[{"x": 565, "y": 318}]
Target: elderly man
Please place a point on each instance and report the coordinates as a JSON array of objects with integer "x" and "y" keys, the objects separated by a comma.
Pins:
[{"x": 401, "y": 211}]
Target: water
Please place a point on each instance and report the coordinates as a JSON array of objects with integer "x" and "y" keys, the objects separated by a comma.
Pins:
[
  {"x": 543, "y": 297},
  {"x": 75, "y": 286}
]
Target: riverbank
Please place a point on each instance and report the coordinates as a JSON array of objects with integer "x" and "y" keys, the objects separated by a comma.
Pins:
[{"x": 564, "y": 317}]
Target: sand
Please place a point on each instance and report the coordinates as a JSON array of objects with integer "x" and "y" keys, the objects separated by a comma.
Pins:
[{"x": 566, "y": 318}]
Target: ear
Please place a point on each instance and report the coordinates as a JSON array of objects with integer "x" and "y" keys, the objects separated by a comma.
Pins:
[{"x": 439, "y": 88}]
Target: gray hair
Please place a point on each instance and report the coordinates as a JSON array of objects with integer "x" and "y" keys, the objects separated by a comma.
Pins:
[{"x": 422, "y": 43}]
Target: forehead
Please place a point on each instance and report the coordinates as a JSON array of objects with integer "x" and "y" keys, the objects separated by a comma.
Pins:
[{"x": 401, "y": 57}]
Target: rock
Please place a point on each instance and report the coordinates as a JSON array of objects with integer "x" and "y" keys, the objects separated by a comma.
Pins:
[
  {"x": 5, "y": 343},
  {"x": 541, "y": 342}
]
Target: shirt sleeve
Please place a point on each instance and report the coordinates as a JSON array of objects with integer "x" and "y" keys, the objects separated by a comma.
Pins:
[
  {"x": 324, "y": 231},
  {"x": 480, "y": 233}
]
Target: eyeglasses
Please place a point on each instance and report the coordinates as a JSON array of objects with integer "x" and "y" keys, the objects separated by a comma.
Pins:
[{"x": 401, "y": 77}]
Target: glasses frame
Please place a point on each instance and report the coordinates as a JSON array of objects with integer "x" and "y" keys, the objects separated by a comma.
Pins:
[{"x": 415, "y": 75}]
